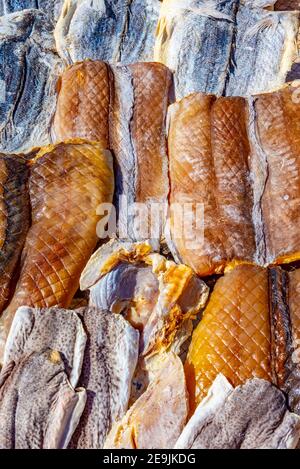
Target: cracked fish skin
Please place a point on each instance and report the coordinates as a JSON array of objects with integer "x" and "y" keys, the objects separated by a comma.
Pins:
[
  {"x": 138, "y": 140},
  {"x": 14, "y": 219},
  {"x": 252, "y": 416},
  {"x": 67, "y": 183},
  {"x": 91, "y": 30},
  {"x": 208, "y": 152},
  {"x": 155, "y": 295},
  {"x": 38, "y": 406},
  {"x": 109, "y": 362},
  {"x": 50, "y": 7},
  {"x": 277, "y": 121},
  {"x": 83, "y": 103},
  {"x": 189, "y": 33},
  {"x": 157, "y": 418},
  {"x": 265, "y": 45},
  {"x": 29, "y": 68},
  {"x": 234, "y": 335}
]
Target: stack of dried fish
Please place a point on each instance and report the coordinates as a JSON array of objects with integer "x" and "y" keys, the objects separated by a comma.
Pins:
[{"x": 115, "y": 197}]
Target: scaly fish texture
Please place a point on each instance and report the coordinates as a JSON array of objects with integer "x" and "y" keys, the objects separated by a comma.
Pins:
[
  {"x": 251, "y": 416},
  {"x": 38, "y": 406},
  {"x": 155, "y": 295},
  {"x": 210, "y": 183},
  {"x": 110, "y": 30},
  {"x": 29, "y": 68},
  {"x": 234, "y": 335},
  {"x": 67, "y": 183},
  {"x": 277, "y": 123},
  {"x": 264, "y": 49},
  {"x": 14, "y": 219},
  {"x": 194, "y": 39},
  {"x": 109, "y": 362},
  {"x": 83, "y": 103},
  {"x": 34, "y": 330},
  {"x": 51, "y": 8},
  {"x": 287, "y": 5},
  {"x": 138, "y": 140},
  {"x": 158, "y": 417}
]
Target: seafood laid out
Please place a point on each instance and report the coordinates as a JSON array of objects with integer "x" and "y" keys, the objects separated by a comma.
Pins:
[{"x": 149, "y": 224}]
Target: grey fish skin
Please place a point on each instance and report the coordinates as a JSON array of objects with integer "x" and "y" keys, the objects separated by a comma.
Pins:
[
  {"x": 196, "y": 46},
  {"x": 50, "y": 7},
  {"x": 38, "y": 407},
  {"x": 110, "y": 359},
  {"x": 251, "y": 416},
  {"x": 265, "y": 44},
  {"x": 91, "y": 30},
  {"x": 35, "y": 329},
  {"x": 14, "y": 218},
  {"x": 138, "y": 41},
  {"x": 29, "y": 68}
]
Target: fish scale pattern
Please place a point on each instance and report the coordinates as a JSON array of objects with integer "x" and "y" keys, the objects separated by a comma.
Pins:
[
  {"x": 234, "y": 336},
  {"x": 14, "y": 218},
  {"x": 67, "y": 183},
  {"x": 151, "y": 83},
  {"x": 213, "y": 172},
  {"x": 83, "y": 103},
  {"x": 285, "y": 5}
]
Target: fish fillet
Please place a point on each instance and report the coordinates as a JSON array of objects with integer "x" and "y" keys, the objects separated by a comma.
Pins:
[
  {"x": 67, "y": 183},
  {"x": 38, "y": 406},
  {"x": 155, "y": 295},
  {"x": 29, "y": 68},
  {"x": 109, "y": 363},
  {"x": 34, "y": 330},
  {"x": 278, "y": 126},
  {"x": 137, "y": 138},
  {"x": 157, "y": 418},
  {"x": 14, "y": 219},
  {"x": 252, "y": 416},
  {"x": 234, "y": 336},
  {"x": 114, "y": 31},
  {"x": 210, "y": 183},
  {"x": 83, "y": 103},
  {"x": 194, "y": 39},
  {"x": 49, "y": 7},
  {"x": 265, "y": 45}
]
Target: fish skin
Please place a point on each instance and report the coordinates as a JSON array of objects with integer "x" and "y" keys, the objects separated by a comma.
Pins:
[
  {"x": 109, "y": 363},
  {"x": 186, "y": 37},
  {"x": 29, "y": 68},
  {"x": 138, "y": 40},
  {"x": 284, "y": 5},
  {"x": 284, "y": 299},
  {"x": 50, "y": 7},
  {"x": 265, "y": 45},
  {"x": 155, "y": 295},
  {"x": 83, "y": 103},
  {"x": 14, "y": 219},
  {"x": 91, "y": 30},
  {"x": 37, "y": 403},
  {"x": 277, "y": 123},
  {"x": 67, "y": 183},
  {"x": 254, "y": 415},
  {"x": 209, "y": 167},
  {"x": 36, "y": 329},
  {"x": 157, "y": 418},
  {"x": 138, "y": 140},
  {"x": 234, "y": 335}
]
